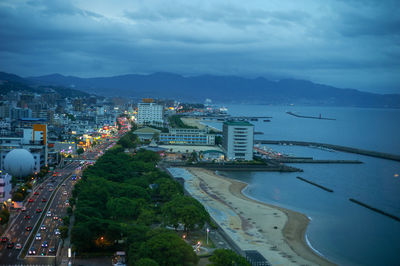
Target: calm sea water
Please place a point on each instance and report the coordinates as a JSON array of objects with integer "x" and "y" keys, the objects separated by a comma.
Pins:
[{"x": 340, "y": 230}]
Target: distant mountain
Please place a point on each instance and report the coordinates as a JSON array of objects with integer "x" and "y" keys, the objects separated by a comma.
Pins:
[
  {"x": 224, "y": 89},
  {"x": 10, "y": 82}
]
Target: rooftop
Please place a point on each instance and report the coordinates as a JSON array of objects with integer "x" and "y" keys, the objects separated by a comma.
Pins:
[
  {"x": 238, "y": 123},
  {"x": 146, "y": 130}
]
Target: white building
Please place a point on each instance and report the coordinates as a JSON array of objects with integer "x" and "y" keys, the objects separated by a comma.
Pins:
[
  {"x": 150, "y": 113},
  {"x": 34, "y": 140},
  {"x": 188, "y": 136},
  {"x": 238, "y": 140}
]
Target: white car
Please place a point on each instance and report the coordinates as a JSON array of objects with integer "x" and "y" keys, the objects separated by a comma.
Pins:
[
  {"x": 32, "y": 251},
  {"x": 38, "y": 237},
  {"x": 48, "y": 213},
  {"x": 42, "y": 227},
  {"x": 57, "y": 232}
]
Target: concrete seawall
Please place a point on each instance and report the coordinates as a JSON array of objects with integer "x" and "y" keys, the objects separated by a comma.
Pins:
[
  {"x": 375, "y": 209},
  {"x": 312, "y": 117},
  {"x": 376, "y": 154},
  {"x": 314, "y": 184}
]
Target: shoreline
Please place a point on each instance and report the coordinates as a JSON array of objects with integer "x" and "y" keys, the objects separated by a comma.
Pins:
[{"x": 277, "y": 233}]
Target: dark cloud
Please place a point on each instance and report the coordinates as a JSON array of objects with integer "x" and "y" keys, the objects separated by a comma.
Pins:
[{"x": 342, "y": 43}]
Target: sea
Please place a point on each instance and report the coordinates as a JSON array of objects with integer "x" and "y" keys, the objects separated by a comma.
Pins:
[{"x": 340, "y": 230}]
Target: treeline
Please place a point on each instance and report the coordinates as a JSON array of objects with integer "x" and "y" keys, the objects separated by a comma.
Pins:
[{"x": 124, "y": 202}]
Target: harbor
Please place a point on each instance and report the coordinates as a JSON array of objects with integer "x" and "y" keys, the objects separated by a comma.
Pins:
[{"x": 332, "y": 147}]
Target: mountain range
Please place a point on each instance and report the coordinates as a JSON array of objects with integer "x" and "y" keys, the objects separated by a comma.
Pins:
[{"x": 221, "y": 89}]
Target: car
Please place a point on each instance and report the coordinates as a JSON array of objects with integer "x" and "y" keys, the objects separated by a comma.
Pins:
[
  {"x": 44, "y": 200},
  {"x": 4, "y": 239},
  {"x": 23, "y": 209},
  {"x": 51, "y": 189},
  {"x": 36, "y": 193},
  {"x": 57, "y": 231},
  {"x": 52, "y": 250},
  {"x": 65, "y": 193},
  {"x": 10, "y": 245},
  {"x": 42, "y": 227},
  {"x": 48, "y": 213},
  {"x": 18, "y": 246},
  {"x": 27, "y": 217},
  {"x": 32, "y": 251},
  {"x": 28, "y": 228},
  {"x": 55, "y": 217},
  {"x": 38, "y": 210},
  {"x": 63, "y": 185},
  {"x": 41, "y": 187},
  {"x": 30, "y": 200},
  {"x": 44, "y": 244},
  {"x": 38, "y": 236}
]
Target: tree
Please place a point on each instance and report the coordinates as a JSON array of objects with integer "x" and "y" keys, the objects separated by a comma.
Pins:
[
  {"x": 185, "y": 210},
  {"x": 18, "y": 196},
  {"x": 63, "y": 231},
  {"x": 80, "y": 151},
  {"x": 223, "y": 257},
  {"x": 167, "y": 248},
  {"x": 146, "y": 262}
]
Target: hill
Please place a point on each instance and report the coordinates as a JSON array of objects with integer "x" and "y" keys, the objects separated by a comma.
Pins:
[{"x": 223, "y": 89}]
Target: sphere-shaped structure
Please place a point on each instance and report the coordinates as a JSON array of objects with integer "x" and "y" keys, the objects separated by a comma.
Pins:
[{"x": 19, "y": 163}]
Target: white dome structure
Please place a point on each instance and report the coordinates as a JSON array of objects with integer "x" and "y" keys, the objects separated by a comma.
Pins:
[{"x": 19, "y": 163}]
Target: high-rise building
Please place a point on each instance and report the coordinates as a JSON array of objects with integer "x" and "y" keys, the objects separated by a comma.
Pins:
[
  {"x": 238, "y": 140},
  {"x": 150, "y": 113}
]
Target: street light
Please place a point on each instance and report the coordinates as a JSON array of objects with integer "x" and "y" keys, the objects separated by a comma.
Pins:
[{"x": 208, "y": 230}]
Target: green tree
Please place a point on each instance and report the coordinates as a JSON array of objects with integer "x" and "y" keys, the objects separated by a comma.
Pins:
[
  {"x": 18, "y": 196},
  {"x": 79, "y": 151},
  {"x": 122, "y": 208},
  {"x": 167, "y": 248},
  {"x": 64, "y": 231},
  {"x": 185, "y": 210},
  {"x": 223, "y": 257},
  {"x": 146, "y": 262}
]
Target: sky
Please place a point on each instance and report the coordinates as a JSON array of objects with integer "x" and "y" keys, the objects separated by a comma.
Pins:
[{"x": 343, "y": 43}]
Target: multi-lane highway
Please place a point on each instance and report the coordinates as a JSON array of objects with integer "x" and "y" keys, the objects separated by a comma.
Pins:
[
  {"x": 32, "y": 236},
  {"x": 28, "y": 222}
]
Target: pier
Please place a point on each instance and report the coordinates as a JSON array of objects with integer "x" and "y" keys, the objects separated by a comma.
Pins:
[
  {"x": 314, "y": 184},
  {"x": 297, "y": 160},
  {"x": 375, "y": 209},
  {"x": 291, "y": 159},
  {"x": 239, "y": 118},
  {"x": 376, "y": 154},
  {"x": 312, "y": 117}
]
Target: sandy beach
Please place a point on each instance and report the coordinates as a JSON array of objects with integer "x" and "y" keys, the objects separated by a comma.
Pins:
[
  {"x": 277, "y": 233},
  {"x": 196, "y": 122}
]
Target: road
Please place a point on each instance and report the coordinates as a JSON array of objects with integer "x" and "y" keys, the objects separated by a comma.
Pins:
[
  {"x": 17, "y": 231},
  {"x": 51, "y": 195}
]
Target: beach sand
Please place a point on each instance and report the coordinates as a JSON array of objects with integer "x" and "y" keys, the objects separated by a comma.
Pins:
[
  {"x": 277, "y": 233},
  {"x": 196, "y": 122}
]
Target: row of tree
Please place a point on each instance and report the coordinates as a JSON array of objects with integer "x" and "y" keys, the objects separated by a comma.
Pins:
[{"x": 122, "y": 197}]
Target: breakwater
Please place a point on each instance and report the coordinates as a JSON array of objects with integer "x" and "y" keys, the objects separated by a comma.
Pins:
[
  {"x": 239, "y": 167},
  {"x": 293, "y": 160},
  {"x": 314, "y": 184},
  {"x": 333, "y": 147},
  {"x": 375, "y": 209},
  {"x": 312, "y": 117}
]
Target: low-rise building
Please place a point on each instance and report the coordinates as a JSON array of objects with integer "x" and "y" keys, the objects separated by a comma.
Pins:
[{"x": 187, "y": 136}]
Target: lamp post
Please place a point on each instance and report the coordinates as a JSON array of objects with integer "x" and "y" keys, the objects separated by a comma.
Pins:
[{"x": 208, "y": 230}]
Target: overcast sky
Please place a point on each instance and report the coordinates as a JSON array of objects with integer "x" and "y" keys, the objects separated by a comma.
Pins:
[{"x": 344, "y": 43}]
